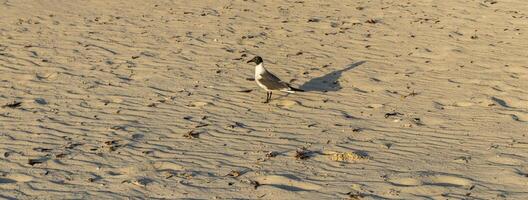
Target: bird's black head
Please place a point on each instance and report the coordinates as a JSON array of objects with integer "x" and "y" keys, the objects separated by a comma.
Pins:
[{"x": 257, "y": 60}]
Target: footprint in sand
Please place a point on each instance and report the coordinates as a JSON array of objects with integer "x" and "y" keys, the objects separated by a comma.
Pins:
[
  {"x": 506, "y": 159},
  {"x": 463, "y": 104},
  {"x": 287, "y": 103},
  {"x": 375, "y": 105},
  {"x": 199, "y": 104},
  {"x": 7, "y": 181},
  {"x": 167, "y": 166},
  {"x": 50, "y": 76},
  {"x": 286, "y": 182},
  {"x": 447, "y": 180},
  {"x": 15, "y": 178},
  {"x": 433, "y": 179},
  {"x": 405, "y": 182}
]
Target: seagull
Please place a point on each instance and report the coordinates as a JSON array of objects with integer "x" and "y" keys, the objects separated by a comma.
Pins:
[{"x": 269, "y": 81}]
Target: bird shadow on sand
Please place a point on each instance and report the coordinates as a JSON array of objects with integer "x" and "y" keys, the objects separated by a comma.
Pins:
[{"x": 328, "y": 82}]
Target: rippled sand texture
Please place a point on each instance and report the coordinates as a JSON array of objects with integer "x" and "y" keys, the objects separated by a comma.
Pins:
[{"x": 152, "y": 99}]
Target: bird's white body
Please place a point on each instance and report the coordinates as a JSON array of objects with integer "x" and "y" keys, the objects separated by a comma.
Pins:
[{"x": 259, "y": 70}]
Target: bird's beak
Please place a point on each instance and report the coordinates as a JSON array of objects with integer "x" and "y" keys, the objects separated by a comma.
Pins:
[{"x": 250, "y": 61}]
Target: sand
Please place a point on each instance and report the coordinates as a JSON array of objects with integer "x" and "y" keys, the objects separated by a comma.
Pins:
[{"x": 154, "y": 99}]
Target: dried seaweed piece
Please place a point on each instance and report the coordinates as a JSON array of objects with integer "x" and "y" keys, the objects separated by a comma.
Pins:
[
  {"x": 201, "y": 125},
  {"x": 40, "y": 149},
  {"x": 37, "y": 161},
  {"x": 234, "y": 173},
  {"x": 192, "y": 134},
  {"x": 255, "y": 184},
  {"x": 302, "y": 154},
  {"x": 272, "y": 154},
  {"x": 387, "y": 115},
  {"x": 314, "y": 20},
  {"x": 355, "y": 195},
  {"x": 347, "y": 157},
  {"x": 372, "y": 21},
  {"x": 15, "y": 104}
]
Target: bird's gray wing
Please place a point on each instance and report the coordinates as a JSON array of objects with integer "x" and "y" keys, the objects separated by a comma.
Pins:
[{"x": 272, "y": 82}]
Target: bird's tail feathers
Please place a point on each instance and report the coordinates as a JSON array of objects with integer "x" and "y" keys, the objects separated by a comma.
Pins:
[{"x": 296, "y": 89}]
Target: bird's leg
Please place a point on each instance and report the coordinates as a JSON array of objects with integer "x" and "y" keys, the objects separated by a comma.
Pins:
[
  {"x": 267, "y": 97},
  {"x": 270, "y": 95}
]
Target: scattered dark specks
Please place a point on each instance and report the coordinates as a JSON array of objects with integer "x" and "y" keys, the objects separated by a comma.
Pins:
[
  {"x": 187, "y": 117},
  {"x": 15, "y": 104},
  {"x": 465, "y": 159},
  {"x": 388, "y": 145},
  {"x": 360, "y": 8},
  {"x": 135, "y": 57},
  {"x": 250, "y": 79},
  {"x": 355, "y": 195},
  {"x": 493, "y": 146},
  {"x": 302, "y": 154},
  {"x": 412, "y": 94},
  {"x": 387, "y": 115},
  {"x": 311, "y": 125},
  {"x": 110, "y": 142}
]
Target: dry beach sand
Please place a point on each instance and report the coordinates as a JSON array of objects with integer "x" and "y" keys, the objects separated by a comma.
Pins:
[{"x": 154, "y": 100}]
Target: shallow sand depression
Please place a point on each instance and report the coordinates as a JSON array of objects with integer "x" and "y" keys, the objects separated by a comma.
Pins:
[{"x": 154, "y": 99}]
